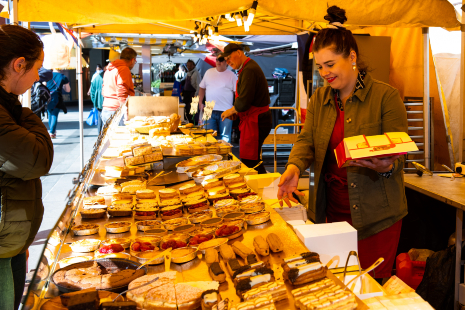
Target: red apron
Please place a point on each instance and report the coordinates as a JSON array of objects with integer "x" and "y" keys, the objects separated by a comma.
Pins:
[
  {"x": 383, "y": 244},
  {"x": 248, "y": 144}
]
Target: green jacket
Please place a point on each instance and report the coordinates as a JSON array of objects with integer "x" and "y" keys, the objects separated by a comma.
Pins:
[
  {"x": 96, "y": 90},
  {"x": 26, "y": 154},
  {"x": 376, "y": 202}
]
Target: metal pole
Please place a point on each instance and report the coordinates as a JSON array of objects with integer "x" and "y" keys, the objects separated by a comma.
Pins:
[
  {"x": 426, "y": 103},
  {"x": 80, "y": 98},
  {"x": 462, "y": 92},
  {"x": 27, "y": 95},
  {"x": 14, "y": 12},
  {"x": 146, "y": 68}
]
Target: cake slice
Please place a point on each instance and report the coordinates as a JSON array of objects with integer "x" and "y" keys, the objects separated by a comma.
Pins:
[{"x": 188, "y": 297}]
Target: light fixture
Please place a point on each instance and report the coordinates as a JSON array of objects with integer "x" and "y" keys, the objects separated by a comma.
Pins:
[
  {"x": 238, "y": 19},
  {"x": 210, "y": 30},
  {"x": 252, "y": 12},
  {"x": 228, "y": 16},
  {"x": 246, "y": 24}
]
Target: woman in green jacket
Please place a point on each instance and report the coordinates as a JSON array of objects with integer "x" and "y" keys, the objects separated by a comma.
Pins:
[
  {"x": 369, "y": 194},
  {"x": 26, "y": 154}
]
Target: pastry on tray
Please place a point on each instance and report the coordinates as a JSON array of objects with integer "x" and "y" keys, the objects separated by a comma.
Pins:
[
  {"x": 227, "y": 252},
  {"x": 216, "y": 272},
  {"x": 245, "y": 272},
  {"x": 301, "y": 259},
  {"x": 189, "y": 188},
  {"x": 264, "y": 302},
  {"x": 241, "y": 250},
  {"x": 277, "y": 290},
  {"x": 94, "y": 200},
  {"x": 145, "y": 194},
  {"x": 121, "y": 196},
  {"x": 93, "y": 213},
  {"x": 261, "y": 246},
  {"x": 210, "y": 298},
  {"x": 85, "y": 229},
  {"x": 247, "y": 284},
  {"x": 168, "y": 193},
  {"x": 233, "y": 265},
  {"x": 274, "y": 242},
  {"x": 210, "y": 183},
  {"x": 211, "y": 256},
  {"x": 86, "y": 245},
  {"x": 305, "y": 273}
]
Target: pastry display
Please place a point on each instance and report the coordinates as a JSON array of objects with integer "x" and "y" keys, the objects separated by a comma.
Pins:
[
  {"x": 232, "y": 178},
  {"x": 94, "y": 277},
  {"x": 196, "y": 195},
  {"x": 124, "y": 242},
  {"x": 210, "y": 298},
  {"x": 132, "y": 182},
  {"x": 170, "y": 202},
  {"x": 251, "y": 199},
  {"x": 182, "y": 255},
  {"x": 92, "y": 213},
  {"x": 168, "y": 193},
  {"x": 241, "y": 250},
  {"x": 159, "y": 294},
  {"x": 118, "y": 227},
  {"x": 146, "y": 225},
  {"x": 109, "y": 249},
  {"x": 213, "y": 243},
  {"x": 305, "y": 273},
  {"x": 247, "y": 284},
  {"x": 172, "y": 212},
  {"x": 210, "y": 183},
  {"x": 227, "y": 230},
  {"x": 121, "y": 196},
  {"x": 120, "y": 210},
  {"x": 121, "y": 255},
  {"x": 118, "y": 305},
  {"x": 93, "y": 200},
  {"x": 189, "y": 188},
  {"x": 200, "y": 216},
  {"x": 249, "y": 271},
  {"x": 222, "y": 211},
  {"x": 233, "y": 216},
  {"x": 86, "y": 245},
  {"x": 85, "y": 229},
  {"x": 73, "y": 260},
  {"x": 173, "y": 223},
  {"x": 224, "y": 202},
  {"x": 145, "y": 256},
  {"x": 145, "y": 194},
  {"x": 198, "y": 239},
  {"x": 212, "y": 222},
  {"x": 258, "y": 218},
  {"x": 329, "y": 298},
  {"x": 213, "y": 198},
  {"x": 238, "y": 185},
  {"x": 227, "y": 252},
  {"x": 85, "y": 299},
  {"x": 236, "y": 193},
  {"x": 108, "y": 190},
  {"x": 251, "y": 259},
  {"x": 265, "y": 302},
  {"x": 197, "y": 205},
  {"x": 301, "y": 259},
  {"x": 233, "y": 265},
  {"x": 276, "y": 289},
  {"x": 211, "y": 256},
  {"x": 261, "y": 246},
  {"x": 132, "y": 189},
  {"x": 145, "y": 214},
  {"x": 216, "y": 272},
  {"x": 313, "y": 287},
  {"x": 216, "y": 190},
  {"x": 147, "y": 202},
  {"x": 187, "y": 296},
  {"x": 172, "y": 243},
  {"x": 274, "y": 242}
]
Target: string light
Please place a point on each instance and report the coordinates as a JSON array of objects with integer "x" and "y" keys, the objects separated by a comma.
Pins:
[{"x": 252, "y": 12}]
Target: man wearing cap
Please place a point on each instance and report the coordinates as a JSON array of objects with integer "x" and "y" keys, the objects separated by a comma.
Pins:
[
  {"x": 251, "y": 105},
  {"x": 219, "y": 84}
]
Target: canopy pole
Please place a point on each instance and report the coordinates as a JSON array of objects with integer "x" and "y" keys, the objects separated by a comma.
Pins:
[
  {"x": 26, "y": 102},
  {"x": 146, "y": 68},
  {"x": 14, "y": 12},
  {"x": 426, "y": 103},
  {"x": 462, "y": 91},
  {"x": 80, "y": 98}
]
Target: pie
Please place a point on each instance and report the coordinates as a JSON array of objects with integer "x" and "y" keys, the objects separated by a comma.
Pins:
[
  {"x": 118, "y": 225},
  {"x": 95, "y": 277},
  {"x": 85, "y": 229},
  {"x": 94, "y": 200}
]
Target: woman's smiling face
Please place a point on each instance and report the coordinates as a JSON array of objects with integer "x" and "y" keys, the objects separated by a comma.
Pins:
[{"x": 336, "y": 69}]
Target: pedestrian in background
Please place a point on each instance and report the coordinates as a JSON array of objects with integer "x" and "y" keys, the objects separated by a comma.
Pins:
[
  {"x": 191, "y": 89},
  {"x": 56, "y": 85},
  {"x": 96, "y": 94}
]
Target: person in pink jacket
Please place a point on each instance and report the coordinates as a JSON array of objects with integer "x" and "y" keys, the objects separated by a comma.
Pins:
[{"x": 117, "y": 83}]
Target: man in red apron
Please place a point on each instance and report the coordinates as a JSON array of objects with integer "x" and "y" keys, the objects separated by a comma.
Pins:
[{"x": 251, "y": 105}]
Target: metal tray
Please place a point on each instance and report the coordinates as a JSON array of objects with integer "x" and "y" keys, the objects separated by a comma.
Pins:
[{"x": 104, "y": 262}]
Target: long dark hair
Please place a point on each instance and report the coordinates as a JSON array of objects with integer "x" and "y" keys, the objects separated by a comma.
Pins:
[
  {"x": 340, "y": 40},
  {"x": 15, "y": 42}
]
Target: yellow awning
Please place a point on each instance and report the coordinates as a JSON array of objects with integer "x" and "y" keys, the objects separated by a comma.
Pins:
[{"x": 392, "y": 13}]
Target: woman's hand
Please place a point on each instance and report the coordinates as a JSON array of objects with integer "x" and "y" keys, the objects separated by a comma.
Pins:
[
  {"x": 288, "y": 185},
  {"x": 228, "y": 114},
  {"x": 379, "y": 164}
]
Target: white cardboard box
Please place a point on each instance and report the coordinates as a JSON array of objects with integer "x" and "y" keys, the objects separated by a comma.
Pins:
[
  {"x": 265, "y": 185},
  {"x": 333, "y": 241}
]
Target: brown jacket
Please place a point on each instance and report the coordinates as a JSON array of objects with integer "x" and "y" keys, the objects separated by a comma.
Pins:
[
  {"x": 376, "y": 202},
  {"x": 26, "y": 154}
]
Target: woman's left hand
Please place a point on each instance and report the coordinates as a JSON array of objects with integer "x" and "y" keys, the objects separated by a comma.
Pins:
[{"x": 379, "y": 164}]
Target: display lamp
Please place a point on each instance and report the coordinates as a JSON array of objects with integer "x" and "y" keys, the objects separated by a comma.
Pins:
[
  {"x": 252, "y": 12},
  {"x": 246, "y": 24},
  {"x": 228, "y": 16}
]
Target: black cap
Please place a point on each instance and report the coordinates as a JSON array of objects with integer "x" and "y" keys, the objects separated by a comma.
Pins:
[{"x": 231, "y": 47}]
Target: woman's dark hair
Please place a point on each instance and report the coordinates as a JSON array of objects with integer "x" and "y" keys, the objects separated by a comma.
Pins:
[
  {"x": 340, "y": 40},
  {"x": 16, "y": 42}
]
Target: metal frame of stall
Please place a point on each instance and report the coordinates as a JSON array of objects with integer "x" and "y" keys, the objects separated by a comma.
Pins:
[{"x": 459, "y": 215}]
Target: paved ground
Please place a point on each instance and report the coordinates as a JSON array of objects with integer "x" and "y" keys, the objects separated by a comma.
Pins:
[{"x": 65, "y": 167}]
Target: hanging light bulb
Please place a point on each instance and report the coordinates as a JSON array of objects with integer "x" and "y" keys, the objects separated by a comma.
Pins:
[
  {"x": 252, "y": 12},
  {"x": 227, "y": 16},
  {"x": 238, "y": 19},
  {"x": 231, "y": 17},
  {"x": 195, "y": 38},
  {"x": 210, "y": 30},
  {"x": 246, "y": 24}
]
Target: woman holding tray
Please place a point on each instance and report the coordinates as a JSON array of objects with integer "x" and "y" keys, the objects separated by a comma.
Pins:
[{"x": 369, "y": 194}]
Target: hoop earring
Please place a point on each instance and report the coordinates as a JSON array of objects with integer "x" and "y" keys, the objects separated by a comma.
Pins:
[{"x": 354, "y": 66}]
